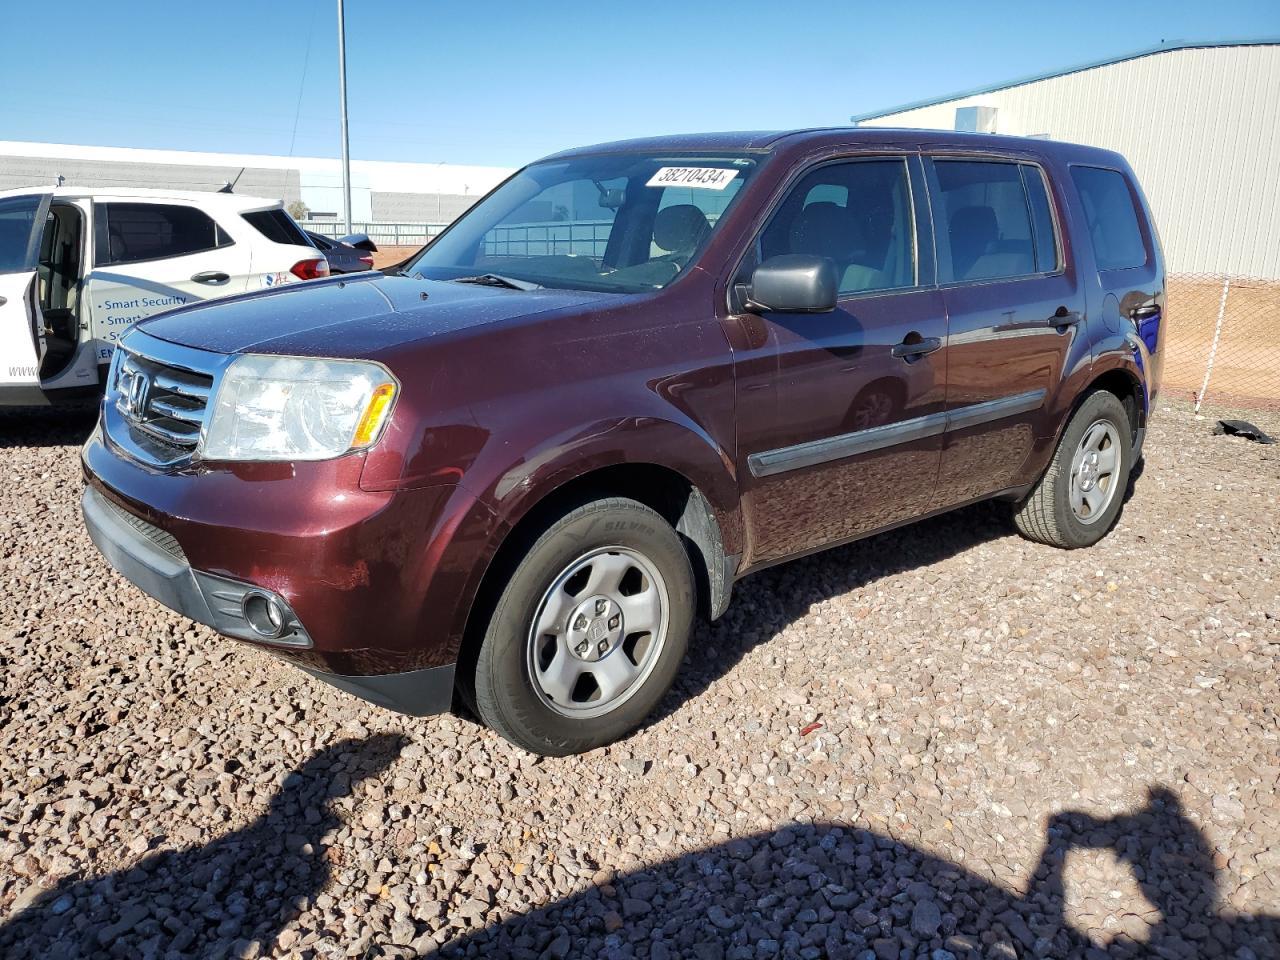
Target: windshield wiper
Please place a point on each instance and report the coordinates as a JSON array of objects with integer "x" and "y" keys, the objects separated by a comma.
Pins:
[{"x": 496, "y": 280}]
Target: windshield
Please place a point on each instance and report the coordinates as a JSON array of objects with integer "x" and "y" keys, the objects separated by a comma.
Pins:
[{"x": 621, "y": 223}]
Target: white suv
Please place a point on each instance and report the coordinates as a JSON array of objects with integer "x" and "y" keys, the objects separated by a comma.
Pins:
[{"x": 79, "y": 266}]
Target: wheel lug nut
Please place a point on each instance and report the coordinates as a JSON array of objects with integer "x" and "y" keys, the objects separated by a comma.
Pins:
[
  {"x": 614, "y": 621},
  {"x": 604, "y": 645},
  {"x": 580, "y": 623},
  {"x": 601, "y": 605},
  {"x": 581, "y": 648}
]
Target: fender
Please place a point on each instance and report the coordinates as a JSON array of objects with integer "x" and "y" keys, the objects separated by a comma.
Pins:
[{"x": 503, "y": 497}]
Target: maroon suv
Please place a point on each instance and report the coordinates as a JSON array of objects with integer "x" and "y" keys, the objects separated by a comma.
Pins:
[{"x": 516, "y": 468}]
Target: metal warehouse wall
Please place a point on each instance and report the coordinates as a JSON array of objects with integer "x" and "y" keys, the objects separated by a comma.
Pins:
[
  {"x": 1201, "y": 128},
  {"x": 37, "y": 171}
]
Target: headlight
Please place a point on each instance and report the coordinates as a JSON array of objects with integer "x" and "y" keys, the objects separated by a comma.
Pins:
[{"x": 294, "y": 408}]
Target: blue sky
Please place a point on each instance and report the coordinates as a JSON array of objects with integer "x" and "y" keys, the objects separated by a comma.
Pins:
[{"x": 503, "y": 83}]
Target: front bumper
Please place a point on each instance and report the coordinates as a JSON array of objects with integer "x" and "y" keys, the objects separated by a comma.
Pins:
[{"x": 154, "y": 562}]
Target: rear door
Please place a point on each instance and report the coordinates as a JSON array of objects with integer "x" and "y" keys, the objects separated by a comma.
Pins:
[
  {"x": 1128, "y": 300},
  {"x": 840, "y": 415},
  {"x": 1015, "y": 306},
  {"x": 22, "y": 220},
  {"x": 150, "y": 256}
]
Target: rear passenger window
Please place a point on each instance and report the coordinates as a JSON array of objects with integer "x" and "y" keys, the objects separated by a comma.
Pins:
[
  {"x": 1113, "y": 221},
  {"x": 132, "y": 232},
  {"x": 857, "y": 214},
  {"x": 277, "y": 226},
  {"x": 987, "y": 210}
]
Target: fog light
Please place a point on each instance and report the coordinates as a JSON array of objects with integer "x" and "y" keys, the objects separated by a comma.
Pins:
[{"x": 265, "y": 614}]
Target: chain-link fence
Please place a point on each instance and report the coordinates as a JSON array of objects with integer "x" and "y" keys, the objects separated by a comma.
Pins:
[{"x": 1223, "y": 341}]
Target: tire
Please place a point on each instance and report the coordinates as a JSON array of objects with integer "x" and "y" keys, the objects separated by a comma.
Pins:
[
  {"x": 555, "y": 621},
  {"x": 1047, "y": 515}
]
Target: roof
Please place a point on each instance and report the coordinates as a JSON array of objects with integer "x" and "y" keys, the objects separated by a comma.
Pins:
[
  {"x": 234, "y": 201},
  {"x": 820, "y": 137},
  {"x": 1170, "y": 47}
]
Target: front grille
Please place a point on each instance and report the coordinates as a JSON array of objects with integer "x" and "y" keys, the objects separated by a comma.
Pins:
[
  {"x": 166, "y": 402},
  {"x": 159, "y": 395},
  {"x": 161, "y": 538}
]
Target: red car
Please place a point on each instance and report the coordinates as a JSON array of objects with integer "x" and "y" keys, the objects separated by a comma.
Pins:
[{"x": 515, "y": 470}]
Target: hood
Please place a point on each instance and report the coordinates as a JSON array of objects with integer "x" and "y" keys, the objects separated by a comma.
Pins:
[{"x": 351, "y": 316}]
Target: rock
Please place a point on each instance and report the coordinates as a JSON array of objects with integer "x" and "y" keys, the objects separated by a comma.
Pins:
[{"x": 926, "y": 918}]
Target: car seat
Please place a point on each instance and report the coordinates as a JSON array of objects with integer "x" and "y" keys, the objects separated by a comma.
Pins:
[{"x": 679, "y": 230}]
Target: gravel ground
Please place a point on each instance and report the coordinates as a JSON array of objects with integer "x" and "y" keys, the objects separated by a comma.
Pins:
[{"x": 942, "y": 742}]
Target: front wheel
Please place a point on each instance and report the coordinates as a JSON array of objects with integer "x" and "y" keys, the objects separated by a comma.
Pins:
[
  {"x": 589, "y": 632},
  {"x": 1079, "y": 497}
]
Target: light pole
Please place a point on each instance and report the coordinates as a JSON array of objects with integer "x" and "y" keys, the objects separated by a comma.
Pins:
[{"x": 342, "y": 106}]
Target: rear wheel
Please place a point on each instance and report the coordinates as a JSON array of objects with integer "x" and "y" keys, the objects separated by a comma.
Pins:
[
  {"x": 589, "y": 631},
  {"x": 1079, "y": 497}
]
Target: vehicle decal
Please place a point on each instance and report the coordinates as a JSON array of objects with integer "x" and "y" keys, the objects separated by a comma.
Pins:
[
  {"x": 276, "y": 279},
  {"x": 704, "y": 178}
]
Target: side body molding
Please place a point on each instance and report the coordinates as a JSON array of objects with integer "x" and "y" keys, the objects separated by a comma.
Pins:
[{"x": 811, "y": 453}]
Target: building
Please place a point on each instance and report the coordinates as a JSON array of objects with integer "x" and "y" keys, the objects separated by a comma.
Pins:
[
  {"x": 1199, "y": 122},
  {"x": 381, "y": 191}
]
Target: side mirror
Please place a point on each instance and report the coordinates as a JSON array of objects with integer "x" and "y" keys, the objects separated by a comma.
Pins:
[
  {"x": 793, "y": 283},
  {"x": 360, "y": 241}
]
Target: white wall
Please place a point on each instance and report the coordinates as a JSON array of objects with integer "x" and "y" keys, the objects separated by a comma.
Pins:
[
  {"x": 1201, "y": 128},
  {"x": 319, "y": 179}
]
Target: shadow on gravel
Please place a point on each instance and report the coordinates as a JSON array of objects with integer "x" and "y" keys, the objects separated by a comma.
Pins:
[
  {"x": 60, "y": 426},
  {"x": 778, "y": 596},
  {"x": 247, "y": 885},
  {"x": 826, "y": 891},
  {"x": 765, "y": 603}
]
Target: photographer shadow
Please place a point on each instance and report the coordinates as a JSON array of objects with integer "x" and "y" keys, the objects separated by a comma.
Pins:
[{"x": 842, "y": 893}]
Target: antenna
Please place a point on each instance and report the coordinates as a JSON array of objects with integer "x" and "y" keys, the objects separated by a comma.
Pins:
[{"x": 229, "y": 186}]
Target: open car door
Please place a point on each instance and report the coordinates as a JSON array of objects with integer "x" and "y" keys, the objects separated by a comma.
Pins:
[{"x": 22, "y": 346}]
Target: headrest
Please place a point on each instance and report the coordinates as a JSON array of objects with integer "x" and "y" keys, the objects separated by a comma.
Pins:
[
  {"x": 680, "y": 228},
  {"x": 826, "y": 230},
  {"x": 975, "y": 225},
  {"x": 115, "y": 242}
]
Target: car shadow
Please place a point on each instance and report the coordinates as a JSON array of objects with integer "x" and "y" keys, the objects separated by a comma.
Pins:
[
  {"x": 766, "y": 603},
  {"x": 196, "y": 902},
  {"x": 66, "y": 425},
  {"x": 783, "y": 594},
  {"x": 826, "y": 890}
]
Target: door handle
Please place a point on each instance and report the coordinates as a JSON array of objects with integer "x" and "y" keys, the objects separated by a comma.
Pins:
[
  {"x": 1146, "y": 311},
  {"x": 1062, "y": 317},
  {"x": 211, "y": 276},
  {"x": 913, "y": 347}
]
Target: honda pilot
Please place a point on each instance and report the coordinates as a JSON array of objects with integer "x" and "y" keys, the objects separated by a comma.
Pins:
[{"x": 513, "y": 471}]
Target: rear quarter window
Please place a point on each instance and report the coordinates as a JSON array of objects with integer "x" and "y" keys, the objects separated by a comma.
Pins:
[
  {"x": 277, "y": 226},
  {"x": 1111, "y": 217}
]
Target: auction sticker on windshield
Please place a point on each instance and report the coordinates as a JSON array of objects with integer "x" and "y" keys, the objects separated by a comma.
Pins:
[{"x": 707, "y": 178}]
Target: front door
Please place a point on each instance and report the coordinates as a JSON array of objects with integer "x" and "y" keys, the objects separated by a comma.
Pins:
[
  {"x": 840, "y": 415},
  {"x": 22, "y": 346},
  {"x": 153, "y": 256},
  {"x": 1015, "y": 309}
]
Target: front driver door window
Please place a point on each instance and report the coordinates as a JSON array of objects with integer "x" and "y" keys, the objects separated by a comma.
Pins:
[{"x": 840, "y": 414}]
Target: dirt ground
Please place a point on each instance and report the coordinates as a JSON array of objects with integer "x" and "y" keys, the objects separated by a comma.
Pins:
[
  {"x": 943, "y": 742},
  {"x": 388, "y": 255}
]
